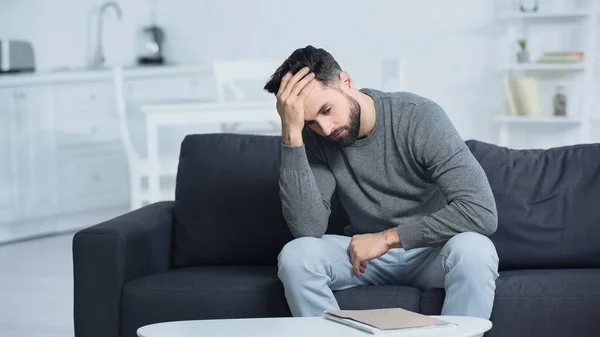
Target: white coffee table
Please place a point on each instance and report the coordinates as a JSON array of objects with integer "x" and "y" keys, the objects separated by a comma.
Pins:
[{"x": 299, "y": 327}]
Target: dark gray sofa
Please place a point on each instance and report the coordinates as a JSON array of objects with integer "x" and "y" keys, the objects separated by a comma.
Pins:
[{"x": 212, "y": 252}]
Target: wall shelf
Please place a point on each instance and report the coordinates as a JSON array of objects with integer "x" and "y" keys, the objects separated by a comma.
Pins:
[
  {"x": 546, "y": 67},
  {"x": 573, "y": 14},
  {"x": 539, "y": 120},
  {"x": 576, "y": 30}
]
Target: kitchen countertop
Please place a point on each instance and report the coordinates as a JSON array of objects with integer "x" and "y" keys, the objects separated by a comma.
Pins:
[{"x": 86, "y": 74}]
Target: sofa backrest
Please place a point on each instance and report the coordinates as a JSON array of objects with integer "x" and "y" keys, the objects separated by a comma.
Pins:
[
  {"x": 227, "y": 206},
  {"x": 548, "y": 204},
  {"x": 228, "y": 211}
]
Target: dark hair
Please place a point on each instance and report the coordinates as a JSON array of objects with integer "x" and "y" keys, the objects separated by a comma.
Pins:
[{"x": 319, "y": 61}]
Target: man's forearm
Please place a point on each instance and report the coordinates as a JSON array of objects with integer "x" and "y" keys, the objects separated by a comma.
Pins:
[
  {"x": 304, "y": 191},
  {"x": 471, "y": 208}
]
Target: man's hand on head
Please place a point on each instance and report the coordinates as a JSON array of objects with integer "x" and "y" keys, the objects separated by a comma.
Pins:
[
  {"x": 290, "y": 104},
  {"x": 365, "y": 247}
]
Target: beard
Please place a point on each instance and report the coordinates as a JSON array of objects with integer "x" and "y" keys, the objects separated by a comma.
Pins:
[{"x": 353, "y": 128}]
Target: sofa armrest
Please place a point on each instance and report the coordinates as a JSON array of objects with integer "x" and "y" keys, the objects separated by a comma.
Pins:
[{"x": 109, "y": 254}]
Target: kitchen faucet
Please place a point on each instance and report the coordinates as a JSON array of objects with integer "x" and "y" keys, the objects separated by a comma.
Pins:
[{"x": 98, "y": 58}]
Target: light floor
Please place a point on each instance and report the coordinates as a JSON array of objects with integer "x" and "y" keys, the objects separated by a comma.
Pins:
[
  {"x": 36, "y": 283},
  {"x": 36, "y": 288}
]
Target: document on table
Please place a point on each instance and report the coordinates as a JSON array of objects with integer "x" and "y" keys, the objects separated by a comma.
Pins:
[{"x": 381, "y": 321}]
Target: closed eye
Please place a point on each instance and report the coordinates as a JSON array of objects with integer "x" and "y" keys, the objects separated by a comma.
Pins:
[{"x": 325, "y": 109}]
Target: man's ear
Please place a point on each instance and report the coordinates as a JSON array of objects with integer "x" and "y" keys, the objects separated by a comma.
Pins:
[{"x": 346, "y": 81}]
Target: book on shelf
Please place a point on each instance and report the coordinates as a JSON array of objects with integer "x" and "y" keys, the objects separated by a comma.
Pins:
[
  {"x": 523, "y": 96},
  {"x": 561, "y": 57},
  {"x": 389, "y": 320}
]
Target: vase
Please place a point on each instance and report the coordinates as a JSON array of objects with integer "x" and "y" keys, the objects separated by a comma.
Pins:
[
  {"x": 528, "y": 6},
  {"x": 523, "y": 56}
]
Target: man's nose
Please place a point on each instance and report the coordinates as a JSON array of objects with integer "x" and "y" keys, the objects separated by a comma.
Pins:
[{"x": 326, "y": 127}]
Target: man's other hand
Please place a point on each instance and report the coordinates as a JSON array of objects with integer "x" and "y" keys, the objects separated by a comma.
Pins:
[{"x": 365, "y": 247}]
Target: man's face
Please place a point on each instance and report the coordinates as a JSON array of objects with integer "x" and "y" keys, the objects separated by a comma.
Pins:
[{"x": 333, "y": 114}]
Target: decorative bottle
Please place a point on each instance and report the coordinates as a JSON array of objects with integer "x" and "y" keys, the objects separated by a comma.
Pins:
[{"x": 559, "y": 102}]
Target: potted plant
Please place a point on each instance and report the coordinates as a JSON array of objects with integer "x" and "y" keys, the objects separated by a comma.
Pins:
[{"x": 523, "y": 54}]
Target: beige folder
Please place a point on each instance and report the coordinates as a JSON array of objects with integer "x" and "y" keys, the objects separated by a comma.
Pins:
[{"x": 381, "y": 320}]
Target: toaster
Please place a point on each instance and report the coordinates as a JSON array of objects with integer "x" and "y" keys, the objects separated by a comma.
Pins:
[{"x": 16, "y": 56}]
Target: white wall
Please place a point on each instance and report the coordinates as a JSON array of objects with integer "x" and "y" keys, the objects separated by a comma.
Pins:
[{"x": 450, "y": 46}]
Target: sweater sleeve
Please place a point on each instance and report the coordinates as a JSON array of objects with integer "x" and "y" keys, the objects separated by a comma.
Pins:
[
  {"x": 447, "y": 161},
  {"x": 306, "y": 186}
]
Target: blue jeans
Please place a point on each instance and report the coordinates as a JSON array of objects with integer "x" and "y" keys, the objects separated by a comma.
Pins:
[{"x": 311, "y": 269}]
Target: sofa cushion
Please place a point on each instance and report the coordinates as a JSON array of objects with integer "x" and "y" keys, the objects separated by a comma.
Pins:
[
  {"x": 233, "y": 292},
  {"x": 560, "y": 302},
  {"x": 556, "y": 303},
  {"x": 380, "y": 296},
  {"x": 202, "y": 293},
  {"x": 227, "y": 205},
  {"x": 548, "y": 204}
]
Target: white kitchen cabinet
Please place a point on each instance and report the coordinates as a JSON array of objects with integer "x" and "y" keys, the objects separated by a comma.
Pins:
[
  {"x": 61, "y": 149},
  {"x": 94, "y": 177},
  {"x": 85, "y": 114},
  {"x": 34, "y": 152},
  {"x": 91, "y": 164},
  {"x": 6, "y": 160}
]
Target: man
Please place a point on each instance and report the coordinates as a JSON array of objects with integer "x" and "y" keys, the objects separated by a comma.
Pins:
[{"x": 419, "y": 204}]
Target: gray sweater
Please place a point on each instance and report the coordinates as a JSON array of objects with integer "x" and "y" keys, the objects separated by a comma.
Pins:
[{"x": 413, "y": 172}]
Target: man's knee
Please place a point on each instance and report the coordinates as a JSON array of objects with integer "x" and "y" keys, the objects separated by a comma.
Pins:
[
  {"x": 300, "y": 254},
  {"x": 472, "y": 250}
]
